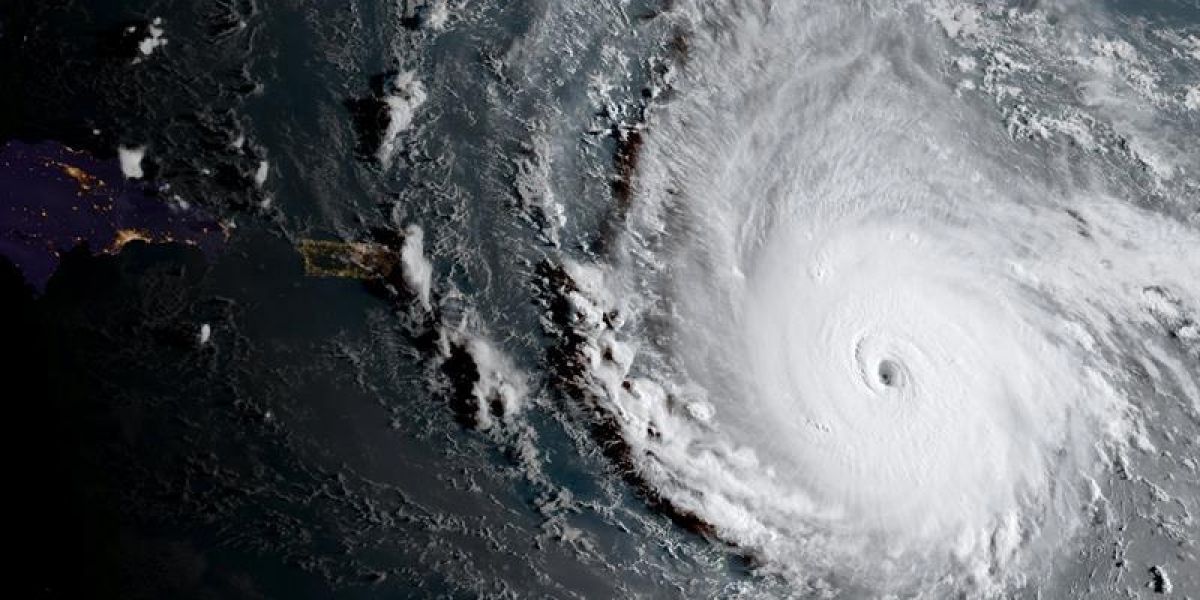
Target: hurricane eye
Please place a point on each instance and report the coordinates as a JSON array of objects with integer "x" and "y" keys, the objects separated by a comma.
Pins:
[{"x": 889, "y": 373}]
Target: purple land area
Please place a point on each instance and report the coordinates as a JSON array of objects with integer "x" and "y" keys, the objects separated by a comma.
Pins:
[{"x": 54, "y": 198}]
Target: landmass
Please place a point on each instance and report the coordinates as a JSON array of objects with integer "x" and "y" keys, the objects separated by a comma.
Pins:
[{"x": 55, "y": 198}]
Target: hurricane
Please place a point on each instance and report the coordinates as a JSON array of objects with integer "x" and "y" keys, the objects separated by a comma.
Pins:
[
  {"x": 745, "y": 299},
  {"x": 871, "y": 318}
]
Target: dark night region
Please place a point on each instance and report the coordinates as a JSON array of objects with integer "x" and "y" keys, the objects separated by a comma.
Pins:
[{"x": 53, "y": 199}]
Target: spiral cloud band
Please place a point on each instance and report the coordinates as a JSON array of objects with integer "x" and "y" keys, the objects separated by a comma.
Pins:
[{"x": 867, "y": 334}]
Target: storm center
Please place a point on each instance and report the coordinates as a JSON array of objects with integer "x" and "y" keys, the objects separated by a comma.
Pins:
[{"x": 889, "y": 373}]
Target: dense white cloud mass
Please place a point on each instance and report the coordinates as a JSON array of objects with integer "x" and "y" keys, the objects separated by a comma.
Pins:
[{"x": 875, "y": 331}]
